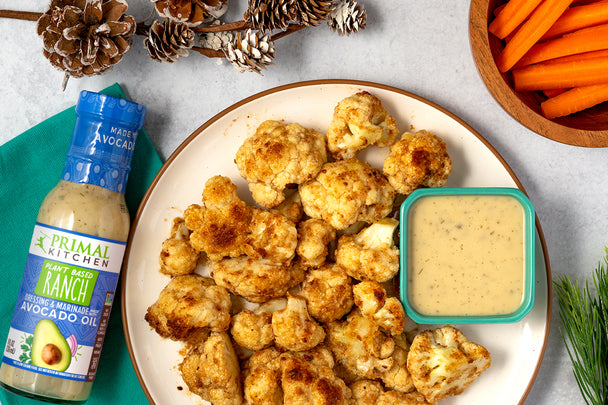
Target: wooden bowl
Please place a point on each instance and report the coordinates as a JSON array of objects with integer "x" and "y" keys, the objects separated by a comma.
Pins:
[{"x": 588, "y": 128}]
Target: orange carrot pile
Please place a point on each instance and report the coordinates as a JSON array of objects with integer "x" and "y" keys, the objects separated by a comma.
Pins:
[{"x": 559, "y": 47}]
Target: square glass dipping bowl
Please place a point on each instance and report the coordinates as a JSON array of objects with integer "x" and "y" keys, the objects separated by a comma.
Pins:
[{"x": 467, "y": 255}]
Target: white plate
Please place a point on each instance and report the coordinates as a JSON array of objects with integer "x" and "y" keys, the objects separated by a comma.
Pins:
[{"x": 517, "y": 349}]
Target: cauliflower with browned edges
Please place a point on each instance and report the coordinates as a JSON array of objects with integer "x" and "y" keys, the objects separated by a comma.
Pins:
[
  {"x": 257, "y": 280},
  {"x": 291, "y": 207},
  {"x": 359, "y": 345},
  {"x": 188, "y": 307},
  {"x": 369, "y": 392},
  {"x": 221, "y": 225},
  {"x": 417, "y": 159},
  {"x": 307, "y": 378},
  {"x": 177, "y": 256},
  {"x": 211, "y": 370},
  {"x": 328, "y": 292},
  {"x": 444, "y": 363},
  {"x": 386, "y": 312},
  {"x": 293, "y": 327},
  {"x": 252, "y": 330},
  {"x": 262, "y": 378},
  {"x": 277, "y": 155},
  {"x": 398, "y": 376},
  {"x": 358, "y": 122},
  {"x": 401, "y": 398},
  {"x": 371, "y": 254},
  {"x": 313, "y": 237},
  {"x": 347, "y": 191},
  {"x": 271, "y": 237}
]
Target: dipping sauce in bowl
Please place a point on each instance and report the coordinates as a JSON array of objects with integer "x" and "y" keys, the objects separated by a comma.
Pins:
[{"x": 467, "y": 255}]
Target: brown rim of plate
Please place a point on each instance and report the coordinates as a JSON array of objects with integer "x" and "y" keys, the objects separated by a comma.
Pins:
[
  {"x": 579, "y": 129},
  {"x": 278, "y": 89}
]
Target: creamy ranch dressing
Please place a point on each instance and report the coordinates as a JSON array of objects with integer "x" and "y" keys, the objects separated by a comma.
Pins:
[
  {"x": 82, "y": 208},
  {"x": 466, "y": 255}
]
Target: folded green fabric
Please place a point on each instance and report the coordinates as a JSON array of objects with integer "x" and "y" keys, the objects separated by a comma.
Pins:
[{"x": 30, "y": 166}]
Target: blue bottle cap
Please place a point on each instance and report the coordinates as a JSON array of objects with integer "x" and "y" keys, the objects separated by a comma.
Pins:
[{"x": 103, "y": 141}]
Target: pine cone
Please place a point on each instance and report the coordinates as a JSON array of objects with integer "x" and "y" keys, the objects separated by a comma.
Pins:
[
  {"x": 191, "y": 12},
  {"x": 312, "y": 12},
  {"x": 267, "y": 15},
  {"x": 168, "y": 41},
  {"x": 347, "y": 17},
  {"x": 250, "y": 51},
  {"x": 86, "y": 37}
]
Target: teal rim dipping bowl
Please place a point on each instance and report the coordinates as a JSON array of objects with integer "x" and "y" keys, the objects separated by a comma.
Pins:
[{"x": 446, "y": 291}]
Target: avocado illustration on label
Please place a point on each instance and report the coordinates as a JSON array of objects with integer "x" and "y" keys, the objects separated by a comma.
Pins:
[{"x": 49, "y": 348}]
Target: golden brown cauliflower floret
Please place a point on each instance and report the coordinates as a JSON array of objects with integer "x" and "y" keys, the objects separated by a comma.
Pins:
[
  {"x": 271, "y": 236},
  {"x": 293, "y": 327},
  {"x": 262, "y": 382},
  {"x": 371, "y": 254},
  {"x": 256, "y": 280},
  {"x": 386, "y": 312},
  {"x": 308, "y": 379},
  {"x": 366, "y": 392},
  {"x": 359, "y": 121},
  {"x": 328, "y": 292},
  {"x": 401, "y": 398},
  {"x": 188, "y": 307},
  {"x": 211, "y": 370},
  {"x": 253, "y": 329},
  {"x": 398, "y": 376},
  {"x": 177, "y": 256},
  {"x": 279, "y": 154},
  {"x": 291, "y": 208},
  {"x": 347, "y": 191},
  {"x": 359, "y": 345},
  {"x": 417, "y": 159},
  {"x": 313, "y": 238},
  {"x": 219, "y": 227},
  {"x": 444, "y": 363}
]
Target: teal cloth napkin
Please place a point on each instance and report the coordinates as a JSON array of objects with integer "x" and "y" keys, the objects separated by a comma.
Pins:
[{"x": 30, "y": 166}]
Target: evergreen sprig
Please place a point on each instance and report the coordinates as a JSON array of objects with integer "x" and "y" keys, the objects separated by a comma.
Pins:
[{"x": 584, "y": 316}]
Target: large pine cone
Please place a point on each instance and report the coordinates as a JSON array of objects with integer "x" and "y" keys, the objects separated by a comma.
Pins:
[
  {"x": 312, "y": 12},
  {"x": 168, "y": 41},
  {"x": 267, "y": 15},
  {"x": 191, "y": 12},
  {"x": 250, "y": 51},
  {"x": 86, "y": 37}
]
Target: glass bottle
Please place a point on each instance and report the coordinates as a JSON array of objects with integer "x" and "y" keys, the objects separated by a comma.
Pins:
[{"x": 74, "y": 260}]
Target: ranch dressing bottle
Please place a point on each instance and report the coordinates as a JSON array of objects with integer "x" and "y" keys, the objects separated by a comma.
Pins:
[{"x": 74, "y": 260}]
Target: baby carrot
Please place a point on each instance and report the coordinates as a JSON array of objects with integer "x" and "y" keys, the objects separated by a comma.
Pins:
[
  {"x": 580, "y": 56},
  {"x": 583, "y": 40},
  {"x": 510, "y": 16},
  {"x": 574, "y": 100},
  {"x": 546, "y": 75},
  {"x": 553, "y": 92},
  {"x": 579, "y": 17},
  {"x": 541, "y": 19}
]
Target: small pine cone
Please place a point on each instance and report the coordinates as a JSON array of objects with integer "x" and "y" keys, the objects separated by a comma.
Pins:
[
  {"x": 250, "y": 51},
  {"x": 267, "y": 15},
  {"x": 191, "y": 12},
  {"x": 312, "y": 12},
  {"x": 86, "y": 37},
  {"x": 168, "y": 41},
  {"x": 347, "y": 17}
]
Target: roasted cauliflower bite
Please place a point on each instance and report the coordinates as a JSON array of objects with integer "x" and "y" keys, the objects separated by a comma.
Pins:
[
  {"x": 307, "y": 378},
  {"x": 359, "y": 121},
  {"x": 328, "y": 292},
  {"x": 271, "y": 236},
  {"x": 398, "y": 376},
  {"x": 371, "y": 254},
  {"x": 291, "y": 208},
  {"x": 417, "y": 159},
  {"x": 293, "y": 327},
  {"x": 401, "y": 398},
  {"x": 444, "y": 363},
  {"x": 211, "y": 370},
  {"x": 262, "y": 378},
  {"x": 279, "y": 154},
  {"x": 256, "y": 280},
  {"x": 386, "y": 312},
  {"x": 188, "y": 307},
  {"x": 347, "y": 191},
  {"x": 366, "y": 392},
  {"x": 253, "y": 329},
  {"x": 359, "y": 346},
  {"x": 313, "y": 237},
  {"x": 219, "y": 227},
  {"x": 177, "y": 256}
]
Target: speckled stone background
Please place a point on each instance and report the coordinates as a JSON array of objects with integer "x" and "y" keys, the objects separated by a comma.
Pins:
[{"x": 419, "y": 46}]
